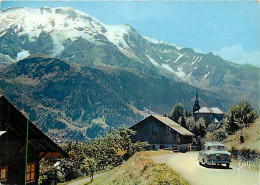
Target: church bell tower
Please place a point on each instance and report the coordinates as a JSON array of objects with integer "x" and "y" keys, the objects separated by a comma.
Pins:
[{"x": 196, "y": 105}]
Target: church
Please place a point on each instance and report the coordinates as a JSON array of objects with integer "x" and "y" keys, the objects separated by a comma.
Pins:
[{"x": 210, "y": 115}]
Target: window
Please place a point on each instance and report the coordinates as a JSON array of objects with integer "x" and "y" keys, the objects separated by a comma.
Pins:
[
  {"x": 167, "y": 130},
  {"x": 221, "y": 148},
  {"x": 30, "y": 173},
  {"x": 139, "y": 136},
  {"x": 155, "y": 131},
  {"x": 152, "y": 147},
  {"x": 163, "y": 146},
  {"x": 3, "y": 176}
]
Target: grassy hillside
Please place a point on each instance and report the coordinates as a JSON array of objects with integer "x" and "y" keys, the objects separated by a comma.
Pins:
[
  {"x": 140, "y": 169},
  {"x": 251, "y": 137}
]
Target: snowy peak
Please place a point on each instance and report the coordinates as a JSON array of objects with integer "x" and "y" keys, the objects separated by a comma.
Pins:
[
  {"x": 156, "y": 41},
  {"x": 115, "y": 34},
  {"x": 78, "y": 38},
  {"x": 61, "y": 19},
  {"x": 62, "y": 24},
  {"x": 68, "y": 22}
]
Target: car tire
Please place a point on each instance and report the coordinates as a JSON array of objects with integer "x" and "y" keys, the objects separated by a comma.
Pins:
[
  {"x": 227, "y": 165},
  {"x": 203, "y": 162}
]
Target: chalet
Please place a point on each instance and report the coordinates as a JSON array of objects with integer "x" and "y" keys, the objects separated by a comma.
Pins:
[
  {"x": 210, "y": 115},
  {"x": 22, "y": 146},
  {"x": 162, "y": 132}
]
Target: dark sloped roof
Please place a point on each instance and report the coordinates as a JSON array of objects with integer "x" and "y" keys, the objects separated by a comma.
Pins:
[{"x": 18, "y": 125}]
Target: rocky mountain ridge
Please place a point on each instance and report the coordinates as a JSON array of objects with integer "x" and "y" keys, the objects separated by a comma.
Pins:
[
  {"x": 75, "y": 102},
  {"x": 78, "y": 38}
]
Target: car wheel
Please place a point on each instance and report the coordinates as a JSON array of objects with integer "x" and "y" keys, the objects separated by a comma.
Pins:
[
  {"x": 227, "y": 165},
  {"x": 205, "y": 164}
]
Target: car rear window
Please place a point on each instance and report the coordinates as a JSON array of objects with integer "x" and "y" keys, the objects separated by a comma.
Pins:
[{"x": 222, "y": 148}]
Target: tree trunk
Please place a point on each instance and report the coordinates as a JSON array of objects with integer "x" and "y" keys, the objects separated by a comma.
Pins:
[{"x": 91, "y": 176}]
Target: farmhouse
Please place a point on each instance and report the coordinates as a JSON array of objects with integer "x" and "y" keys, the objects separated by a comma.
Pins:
[
  {"x": 162, "y": 132},
  {"x": 22, "y": 146}
]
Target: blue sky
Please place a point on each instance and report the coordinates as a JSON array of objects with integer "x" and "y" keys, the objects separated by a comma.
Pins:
[{"x": 230, "y": 29}]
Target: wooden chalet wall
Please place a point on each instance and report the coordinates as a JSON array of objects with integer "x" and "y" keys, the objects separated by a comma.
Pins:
[
  {"x": 13, "y": 127},
  {"x": 156, "y": 133},
  {"x": 13, "y": 147},
  {"x": 13, "y": 156}
]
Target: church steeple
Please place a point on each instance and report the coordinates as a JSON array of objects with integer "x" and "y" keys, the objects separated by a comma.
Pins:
[{"x": 196, "y": 105}]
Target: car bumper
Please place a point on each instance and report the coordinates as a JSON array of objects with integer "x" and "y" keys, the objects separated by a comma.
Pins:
[{"x": 217, "y": 162}]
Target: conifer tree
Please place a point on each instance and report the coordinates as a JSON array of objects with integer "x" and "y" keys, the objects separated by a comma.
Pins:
[{"x": 177, "y": 112}]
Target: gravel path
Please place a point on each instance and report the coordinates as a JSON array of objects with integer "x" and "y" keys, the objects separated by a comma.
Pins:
[
  {"x": 188, "y": 166},
  {"x": 84, "y": 181}
]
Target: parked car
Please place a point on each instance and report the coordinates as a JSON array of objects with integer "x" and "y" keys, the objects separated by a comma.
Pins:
[{"x": 214, "y": 153}]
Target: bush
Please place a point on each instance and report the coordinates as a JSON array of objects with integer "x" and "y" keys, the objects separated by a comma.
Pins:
[
  {"x": 239, "y": 116},
  {"x": 90, "y": 156}
]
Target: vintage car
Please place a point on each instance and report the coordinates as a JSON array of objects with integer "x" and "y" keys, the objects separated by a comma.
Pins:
[{"x": 214, "y": 153}]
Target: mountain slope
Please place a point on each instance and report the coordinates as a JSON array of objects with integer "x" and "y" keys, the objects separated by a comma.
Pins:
[
  {"x": 78, "y": 38},
  {"x": 141, "y": 169},
  {"x": 84, "y": 101}
]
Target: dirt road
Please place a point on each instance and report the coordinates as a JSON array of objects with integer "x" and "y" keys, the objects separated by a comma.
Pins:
[
  {"x": 188, "y": 166},
  {"x": 84, "y": 181}
]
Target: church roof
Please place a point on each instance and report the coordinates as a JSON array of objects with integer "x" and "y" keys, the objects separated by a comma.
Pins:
[
  {"x": 207, "y": 110},
  {"x": 216, "y": 120}
]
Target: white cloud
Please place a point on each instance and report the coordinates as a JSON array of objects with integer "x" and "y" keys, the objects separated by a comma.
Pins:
[
  {"x": 197, "y": 50},
  {"x": 22, "y": 55},
  {"x": 237, "y": 54}
]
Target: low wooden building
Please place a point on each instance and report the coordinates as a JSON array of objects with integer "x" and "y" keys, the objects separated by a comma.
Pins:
[
  {"x": 162, "y": 132},
  {"x": 21, "y": 141}
]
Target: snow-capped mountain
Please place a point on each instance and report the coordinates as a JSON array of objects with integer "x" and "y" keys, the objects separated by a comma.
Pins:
[
  {"x": 62, "y": 24},
  {"x": 76, "y": 37}
]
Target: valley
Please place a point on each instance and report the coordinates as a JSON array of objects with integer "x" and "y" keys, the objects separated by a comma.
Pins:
[
  {"x": 90, "y": 101},
  {"x": 70, "y": 72}
]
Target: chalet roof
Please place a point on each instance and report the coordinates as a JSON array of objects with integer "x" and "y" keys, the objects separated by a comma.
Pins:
[
  {"x": 17, "y": 124},
  {"x": 2, "y": 132},
  {"x": 175, "y": 126},
  {"x": 207, "y": 110}
]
